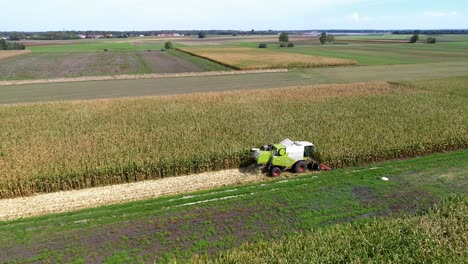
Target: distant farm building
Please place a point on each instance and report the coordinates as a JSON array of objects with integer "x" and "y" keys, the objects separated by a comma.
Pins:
[
  {"x": 170, "y": 35},
  {"x": 94, "y": 36}
]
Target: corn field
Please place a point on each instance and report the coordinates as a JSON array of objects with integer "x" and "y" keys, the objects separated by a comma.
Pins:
[
  {"x": 253, "y": 59},
  {"x": 48, "y": 147}
]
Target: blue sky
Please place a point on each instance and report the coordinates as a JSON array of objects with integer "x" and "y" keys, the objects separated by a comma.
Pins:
[{"x": 35, "y": 15}]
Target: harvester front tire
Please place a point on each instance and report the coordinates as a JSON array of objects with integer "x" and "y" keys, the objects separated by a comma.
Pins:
[
  {"x": 300, "y": 167},
  {"x": 275, "y": 172}
]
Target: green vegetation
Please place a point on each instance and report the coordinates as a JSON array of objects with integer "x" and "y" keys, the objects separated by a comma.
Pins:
[
  {"x": 5, "y": 45},
  {"x": 414, "y": 38},
  {"x": 438, "y": 236},
  {"x": 169, "y": 45},
  {"x": 406, "y": 37},
  {"x": 162, "y": 229},
  {"x": 385, "y": 54},
  {"x": 431, "y": 40},
  {"x": 284, "y": 37},
  {"x": 323, "y": 38},
  {"x": 72, "y": 145}
]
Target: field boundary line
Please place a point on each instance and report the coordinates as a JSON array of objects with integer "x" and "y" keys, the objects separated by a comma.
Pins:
[
  {"x": 138, "y": 76},
  {"x": 210, "y": 59}
]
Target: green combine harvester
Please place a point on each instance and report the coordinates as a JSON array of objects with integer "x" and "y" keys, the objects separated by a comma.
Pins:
[{"x": 286, "y": 155}]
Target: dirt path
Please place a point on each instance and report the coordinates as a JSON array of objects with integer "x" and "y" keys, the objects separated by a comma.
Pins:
[
  {"x": 135, "y": 77},
  {"x": 88, "y": 198}
]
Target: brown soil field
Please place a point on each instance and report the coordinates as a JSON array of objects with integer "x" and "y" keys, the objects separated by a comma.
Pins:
[
  {"x": 167, "y": 63},
  {"x": 65, "y": 65},
  {"x": 249, "y": 58},
  {"x": 58, "y": 65},
  {"x": 6, "y": 54}
]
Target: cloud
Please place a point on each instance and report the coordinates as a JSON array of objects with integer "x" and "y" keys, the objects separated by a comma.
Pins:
[
  {"x": 355, "y": 17},
  {"x": 440, "y": 14}
]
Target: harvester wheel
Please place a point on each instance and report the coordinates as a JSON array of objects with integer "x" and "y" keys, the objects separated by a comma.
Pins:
[
  {"x": 275, "y": 172},
  {"x": 300, "y": 167}
]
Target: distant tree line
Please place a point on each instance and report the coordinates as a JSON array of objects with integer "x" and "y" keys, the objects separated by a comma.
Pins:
[
  {"x": 7, "y": 45},
  {"x": 74, "y": 34},
  {"x": 431, "y": 32}
]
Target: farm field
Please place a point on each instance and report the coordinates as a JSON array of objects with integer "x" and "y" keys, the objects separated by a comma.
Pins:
[
  {"x": 253, "y": 58},
  {"x": 389, "y": 214},
  {"x": 132, "y": 56},
  {"x": 422, "y": 37},
  {"x": 171, "y": 86},
  {"x": 90, "y": 59},
  {"x": 75, "y": 64},
  {"x": 5, "y": 54},
  {"x": 48, "y": 147},
  {"x": 381, "y": 54}
]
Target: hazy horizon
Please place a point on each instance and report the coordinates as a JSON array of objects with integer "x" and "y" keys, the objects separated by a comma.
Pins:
[{"x": 143, "y": 15}]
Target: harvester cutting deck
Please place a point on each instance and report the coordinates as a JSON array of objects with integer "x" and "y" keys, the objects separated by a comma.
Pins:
[{"x": 296, "y": 155}]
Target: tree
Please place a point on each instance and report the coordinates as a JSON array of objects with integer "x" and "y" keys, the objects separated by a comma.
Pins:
[
  {"x": 168, "y": 45},
  {"x": 3, "y": 44},
  {"x": 330, "y": 38},
  {"x": 262, "y": 45},
  {"x": 414, "y": 38},
  {"x": 290, "y": 45},
  {"x": 284, "y": 37},
  {"x": 323, "y": 37},
  {"x": 201, "y": 34},
  {"x": 431, "y": 40},
  {"x": 15, "y": 36}
]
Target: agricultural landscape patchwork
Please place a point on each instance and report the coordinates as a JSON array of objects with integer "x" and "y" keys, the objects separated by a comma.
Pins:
[{"x": 374, "y": 106}]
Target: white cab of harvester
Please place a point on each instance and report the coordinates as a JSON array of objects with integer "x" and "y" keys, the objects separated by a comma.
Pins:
[{"x": 295, "y": 149}]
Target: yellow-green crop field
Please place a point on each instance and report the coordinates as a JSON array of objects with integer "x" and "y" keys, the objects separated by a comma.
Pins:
[
  {"x": 54, "y": 146},
  {"x": 254, "y": 58},
  {"x": 5, "y": 54}
]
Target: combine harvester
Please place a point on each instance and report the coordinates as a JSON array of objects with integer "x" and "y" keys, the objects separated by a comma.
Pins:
[{"x": 296, "y": 155}]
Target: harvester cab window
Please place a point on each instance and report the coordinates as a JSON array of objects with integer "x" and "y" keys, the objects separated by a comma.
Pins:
[{"x": 308, "y": 151}]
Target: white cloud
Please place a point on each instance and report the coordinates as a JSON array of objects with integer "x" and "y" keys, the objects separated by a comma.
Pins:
[
  {"x": 355, "y": 17},
  {"x": 440, "y": 14}
]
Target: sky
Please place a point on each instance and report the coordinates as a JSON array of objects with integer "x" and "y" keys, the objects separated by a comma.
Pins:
[{"x": 51, "y": 15}]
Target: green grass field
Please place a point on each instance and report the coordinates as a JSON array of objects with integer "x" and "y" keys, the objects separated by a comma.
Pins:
[
  {"x": 71, "y": 145},
  {"x": 212, "y": 221},
  {"x": 422, "y": 37}
]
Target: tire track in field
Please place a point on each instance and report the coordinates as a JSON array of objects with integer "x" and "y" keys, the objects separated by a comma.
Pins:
[{"x": 67, "y": 201}]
